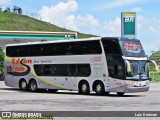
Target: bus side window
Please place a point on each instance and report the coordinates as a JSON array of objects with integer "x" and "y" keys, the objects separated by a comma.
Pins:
[
  {"x": 83, "y": 70},
  {"x": 39, "y": 70},
  {"x": 47, "y": 70},
  {"x": 92, "y": 47},
  {"x": 72, "y": 70},
  {"x": 77, "y": 48},
  {"x": 12, "y": 51}
]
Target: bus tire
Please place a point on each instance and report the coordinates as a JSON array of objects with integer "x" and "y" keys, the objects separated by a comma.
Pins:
[
  {"x": 23, "y": 85},
  {"x": 99, "y": 88},
  {"x": 84, "y": 88},
  {"x": 33, "y": 86},
  {"x": 120, "y": 93}
]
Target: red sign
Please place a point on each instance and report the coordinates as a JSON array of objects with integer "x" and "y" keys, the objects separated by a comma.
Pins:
[{"x": 132, "y": 46}]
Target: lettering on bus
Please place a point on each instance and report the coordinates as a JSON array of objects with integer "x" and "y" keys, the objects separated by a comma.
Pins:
[
  {"x": 20, "y": 70},
  {"x": 96, "y": 58},
  {"x": 132, "y": 47}
]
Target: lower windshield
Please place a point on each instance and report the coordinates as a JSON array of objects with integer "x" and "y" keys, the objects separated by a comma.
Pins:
[{"x": 139, "y": 71}]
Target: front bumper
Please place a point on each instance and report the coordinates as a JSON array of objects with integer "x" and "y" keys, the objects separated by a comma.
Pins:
[{"x": 136, "y": 89}]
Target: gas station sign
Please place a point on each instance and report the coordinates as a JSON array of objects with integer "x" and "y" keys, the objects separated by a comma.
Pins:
[{"x": 128, "y": 24}]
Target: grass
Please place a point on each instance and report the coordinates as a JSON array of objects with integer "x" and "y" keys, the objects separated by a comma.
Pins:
[
  {"x": 155, "y": 76},
  {"x": 15, "y": 22}
]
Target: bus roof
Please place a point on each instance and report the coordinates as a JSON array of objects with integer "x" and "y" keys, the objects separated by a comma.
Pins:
[
  {"x": 84, "y": 39},
  {"x": 55, "y": 41}
]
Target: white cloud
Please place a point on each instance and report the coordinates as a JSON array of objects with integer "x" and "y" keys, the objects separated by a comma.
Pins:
[
  {"x": 58, "y": 13},
  {"x": 112, "y": 28},
  {"x": 62, "y": 15},
  {"x": 148, "y": 32},
  {"x": 4, "y": 2},
  {"x": 149, "y": 48},
  {"x": 136, "y": 9},
  {"x": 118, "y": 3}
]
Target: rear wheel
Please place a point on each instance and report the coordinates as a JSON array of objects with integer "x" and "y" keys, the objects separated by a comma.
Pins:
[
  {"x": 120, "y": 93},
  {"x": 23, "y": 85},
  {"x": 33, "y": 86},
  {"x": 84, "y": 88},
  {"x": 99, "y": 88}
]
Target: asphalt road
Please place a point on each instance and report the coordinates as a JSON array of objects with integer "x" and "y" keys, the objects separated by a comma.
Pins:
[{"x": 12, "y": 99}]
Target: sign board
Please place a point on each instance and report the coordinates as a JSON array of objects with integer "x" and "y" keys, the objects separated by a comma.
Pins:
[{"x": 128, "y": 24}]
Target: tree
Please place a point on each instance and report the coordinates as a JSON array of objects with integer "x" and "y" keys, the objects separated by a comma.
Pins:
[
  {"x": 7, "y": 9},
  {"x": 15, "y": 9},
  {"x": 19, "y": 10}
]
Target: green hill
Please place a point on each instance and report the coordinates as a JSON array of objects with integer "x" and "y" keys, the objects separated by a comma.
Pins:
[{"x": 15, "y": 22}]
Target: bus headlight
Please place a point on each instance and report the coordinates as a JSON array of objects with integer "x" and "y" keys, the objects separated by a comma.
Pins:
[{"x": 130, "y": 83}]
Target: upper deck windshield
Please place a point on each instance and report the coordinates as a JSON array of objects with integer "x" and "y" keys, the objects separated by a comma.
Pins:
[{"x": 132, "y": 48}]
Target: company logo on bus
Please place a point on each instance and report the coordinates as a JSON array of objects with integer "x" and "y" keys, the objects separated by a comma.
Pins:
[
  {"x": 22, "y": 70},
  {"x": 132, "y": 47}
]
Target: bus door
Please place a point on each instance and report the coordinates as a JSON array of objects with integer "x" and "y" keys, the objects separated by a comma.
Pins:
[
  {"x": 115, "y": 63},
  {"x": 116, "y": 72}
]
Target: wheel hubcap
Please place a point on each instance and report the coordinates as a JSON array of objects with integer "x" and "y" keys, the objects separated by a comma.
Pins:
[
  {"x": 84, "y": 87},
  {"x": 24, "y": 85},
  {"x": 33, "y": 86},
  {"x": 98, "y": 88}
]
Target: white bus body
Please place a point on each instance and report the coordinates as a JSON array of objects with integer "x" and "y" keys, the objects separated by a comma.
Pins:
[{"x": 94, "y": 64}]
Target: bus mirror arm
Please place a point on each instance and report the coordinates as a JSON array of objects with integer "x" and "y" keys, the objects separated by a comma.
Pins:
[
  {"x": 156, "y": 66},
  {"x": 128, "y": 66}
]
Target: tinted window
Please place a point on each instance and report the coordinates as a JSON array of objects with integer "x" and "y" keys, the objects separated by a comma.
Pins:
[
  {"x": 47, "y": 49},
  {"x": 72, "y": 70},
  {"x": 63, "y": 70},
  {"x": 22, "y": 51},
  {"x": 60, "y": 70},
  {"x": 77, "y": 48},
  {"x": 68, "y": 48},
  {"x": 83, "y": 70},
  {"x": 111, "y": 47},
  {"x": 11, "y": 51},
  {"x": 35, "y": 50},
  {"x": 92, "y": 47}
]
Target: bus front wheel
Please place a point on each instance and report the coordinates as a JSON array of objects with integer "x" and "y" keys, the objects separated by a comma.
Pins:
[
  {"x": 23, "y": 85},
  {"x": 33, "y": 86},
  {"x": 84, "y": 88}
]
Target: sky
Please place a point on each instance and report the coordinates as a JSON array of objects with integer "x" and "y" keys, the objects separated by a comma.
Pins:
[{"x": 97, "y": 17}]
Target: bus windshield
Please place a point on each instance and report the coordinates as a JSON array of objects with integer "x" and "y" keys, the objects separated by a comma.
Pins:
[
  {"x": 139, "y": 71},
  {"x": 132, "y": 48}
]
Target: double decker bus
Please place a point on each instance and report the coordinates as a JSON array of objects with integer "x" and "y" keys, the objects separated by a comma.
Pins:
[{"x": 103, "y": 65}]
